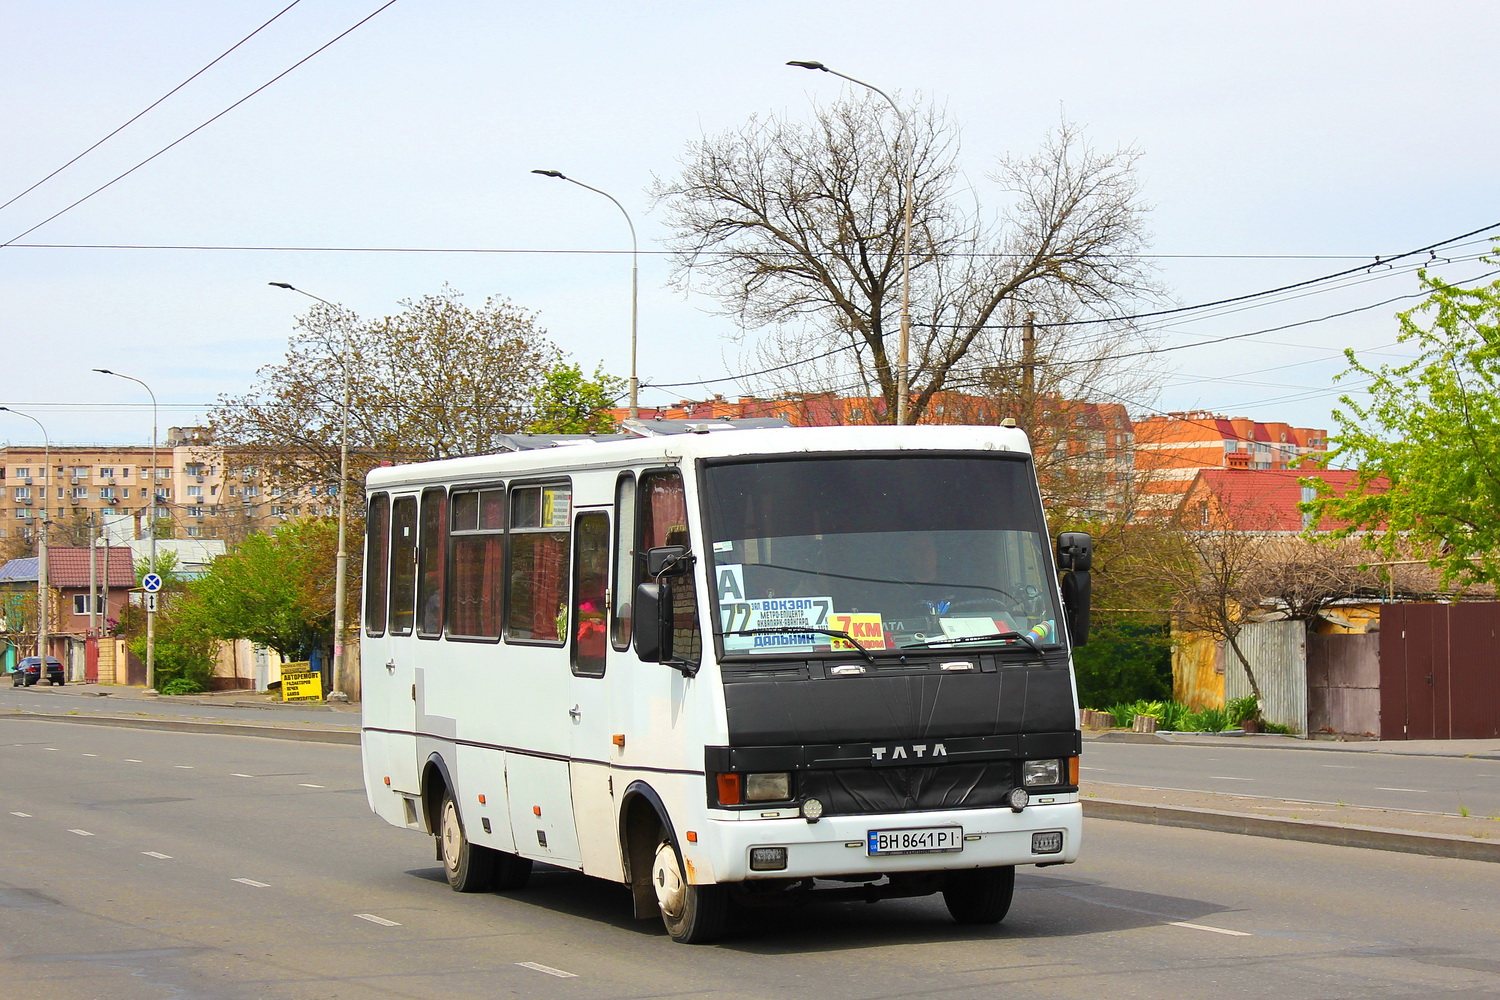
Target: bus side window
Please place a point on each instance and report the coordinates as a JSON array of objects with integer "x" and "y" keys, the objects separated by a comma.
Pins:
[
  {"x": 537, "y": 586},
  {"x": 591, "y": 578},
  {"x": 377, "y": 561},
  {"x": 664, "y": 521},
  {"x": 434, "y": 546},
  {"x": 477, "y": 565},
  {"x": 622, "y": 586},
  {"x": 403, "y": 565}
]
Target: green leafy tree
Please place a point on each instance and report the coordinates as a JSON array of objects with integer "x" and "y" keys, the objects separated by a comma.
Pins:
[
  {"x": 1425, "y": 439},
  {"x": 566, "y": 402},
  {"x": 275, "y": 589},
  {"x": 439, "y": 379}
]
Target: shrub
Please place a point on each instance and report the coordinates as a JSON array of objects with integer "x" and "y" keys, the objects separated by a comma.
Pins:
[
  {"x": 1209, "y": 720},
  {"x": 1127, "y": 658},
  {"x": 182, "y": 685},
  {"x": 1240, "y": 709}
]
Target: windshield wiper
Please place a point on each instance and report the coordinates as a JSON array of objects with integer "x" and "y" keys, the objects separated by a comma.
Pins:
[
  {"x": 975, "y": 638},
  {"x": 799, "y": 630}
]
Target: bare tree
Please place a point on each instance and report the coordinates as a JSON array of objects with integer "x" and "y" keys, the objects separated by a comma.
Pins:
[{"x": 796, "y": 228}]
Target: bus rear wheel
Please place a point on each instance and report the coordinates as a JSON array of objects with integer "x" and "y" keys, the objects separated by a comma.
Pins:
[
  {"x": 980, "y": 896},
  {"x": 469, "y": 868},
  {"x": 693, "y": 914}
]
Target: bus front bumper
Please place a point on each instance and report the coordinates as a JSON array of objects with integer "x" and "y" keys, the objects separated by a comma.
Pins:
[{"x": 841, "y": 845}]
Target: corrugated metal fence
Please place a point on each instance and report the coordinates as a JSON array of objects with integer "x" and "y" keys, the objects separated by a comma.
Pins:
[{"x": 1277, "y": 652}]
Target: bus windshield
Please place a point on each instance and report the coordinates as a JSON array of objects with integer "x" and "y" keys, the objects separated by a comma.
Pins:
[{"x": 900, "y": 552}]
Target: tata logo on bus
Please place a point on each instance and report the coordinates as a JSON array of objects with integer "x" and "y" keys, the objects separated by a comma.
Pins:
[{"x": 906, "y": 753}]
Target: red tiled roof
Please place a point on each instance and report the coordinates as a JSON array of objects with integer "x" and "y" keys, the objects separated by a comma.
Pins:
[
  {"x": 1268, "y": 499},
  {"x": 69, "y": 567}
]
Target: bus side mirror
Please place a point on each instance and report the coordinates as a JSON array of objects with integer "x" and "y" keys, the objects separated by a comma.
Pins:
[
  {"x": 1075, "y": 551},
  {"x": 1077, "y": 592},
  {"x": 651, "y": 621},
  {"x": 667, "y": 560}
]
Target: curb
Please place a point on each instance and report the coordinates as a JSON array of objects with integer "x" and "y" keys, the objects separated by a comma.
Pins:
[
  {"x": 220, "y": 728},
  {"x": 1370, "y": 837}
]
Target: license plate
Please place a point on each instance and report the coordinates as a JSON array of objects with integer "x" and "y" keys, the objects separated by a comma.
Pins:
[{"x": 917, "y": 840}]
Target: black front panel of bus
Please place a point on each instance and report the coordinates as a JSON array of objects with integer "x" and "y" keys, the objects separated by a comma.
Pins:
[{"x": 801, "y": 707}]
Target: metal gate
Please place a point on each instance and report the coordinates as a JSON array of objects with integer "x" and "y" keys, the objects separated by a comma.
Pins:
[{"x": 1440, "y": 671}]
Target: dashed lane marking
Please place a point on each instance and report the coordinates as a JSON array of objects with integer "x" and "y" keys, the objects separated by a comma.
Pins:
[
  {"x": 21, "y": 814},
  {"x": 157, "y": 855},
  {"x": 1211, "y": 930},
  {"x": 372, "y": 918},
  {"x": 1226, "y": 777},
  {"x": 81, "y": 833},
  {"x": 251, "y": 882},
  {"x": 185, "y": 767},
  {"x": 132, "y": 760},
  {"x": 1418, "y": 790},
  {"x": 237, "y": 774},
  {"x": 549, "y": 970},
  {"x": 305, "y": 784}
]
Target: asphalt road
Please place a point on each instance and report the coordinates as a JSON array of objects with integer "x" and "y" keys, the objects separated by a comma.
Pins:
[
  {"x": 140, "y": 864},
  {"x": 1448, "y": 785}
]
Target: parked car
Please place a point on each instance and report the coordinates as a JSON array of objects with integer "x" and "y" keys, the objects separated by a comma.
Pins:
[{"x": 29, "y": 671}]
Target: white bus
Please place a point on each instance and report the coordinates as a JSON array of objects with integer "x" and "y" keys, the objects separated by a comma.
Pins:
[{"x": 729, "y": 667}]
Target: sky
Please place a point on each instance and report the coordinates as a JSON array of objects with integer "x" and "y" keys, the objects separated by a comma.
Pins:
[{"x": 1280, "y": 142}]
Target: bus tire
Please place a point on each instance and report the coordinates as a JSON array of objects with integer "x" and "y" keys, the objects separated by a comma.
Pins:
[
  {"x": 511, "y": 871},
  {"x": 693, "y": 914},
  {"x": 980, "y": 896},
  {"x": 468, "y": 868}
]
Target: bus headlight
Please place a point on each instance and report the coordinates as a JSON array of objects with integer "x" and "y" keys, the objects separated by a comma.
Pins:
[
  {"x": 1042, "y": 772},
  {"x": 768, "y": 787}
]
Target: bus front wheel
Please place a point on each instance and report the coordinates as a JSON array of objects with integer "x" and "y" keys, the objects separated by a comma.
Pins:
[
  {"x": 469, "y": 868},
  {"x": 980, "y": 895},
  {"x": 693, "y": 914}
]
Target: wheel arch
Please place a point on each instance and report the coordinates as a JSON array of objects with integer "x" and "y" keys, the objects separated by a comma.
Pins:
[
  {"x": 436, "y": 779},
  {"x": 642, "y": 815}
]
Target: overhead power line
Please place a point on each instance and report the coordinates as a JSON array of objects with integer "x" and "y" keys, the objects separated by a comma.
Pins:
[
  {"x": 201, "y": 127},
  {"x": 144, "y": 111}
]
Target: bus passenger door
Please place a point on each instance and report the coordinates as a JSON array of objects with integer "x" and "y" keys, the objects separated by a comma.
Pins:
[
  {"x": 388, "y": 676},
  {"x": 590, "y": 724}
]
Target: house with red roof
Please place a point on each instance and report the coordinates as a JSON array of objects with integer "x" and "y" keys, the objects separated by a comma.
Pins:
[
  {"x": 68, "y": 589},
  {"x": 1260, "y": 501}
]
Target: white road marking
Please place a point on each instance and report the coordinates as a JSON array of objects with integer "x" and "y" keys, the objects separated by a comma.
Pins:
[
  {"x": 21, "y": 814},
  {"x": 560, "y": 974},
  {"x": 132, "y": 760},
  {"x": 91, "y": 755},
  {"x": 1211, "y": 930},
  {"x": 81, "y": 833},
  {"x": 185, "y": 767},
  {"x": 251, "y": 881},
  {"x": 1422, "y": 790},
  {"x": 1225, "y": 777},
  {"x": 1095, "y": 769},
  {"x": 1342, "y": 767},
  {"x": 158, "y": 855},
  {"x": 237, "y": 774},
  {"x": 54, "y": 749},
  {"x": 306, "y": 785},
  {"x": 372, "y": 918}
]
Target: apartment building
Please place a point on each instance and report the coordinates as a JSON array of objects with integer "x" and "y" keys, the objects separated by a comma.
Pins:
[
  {"x": 190, "y": 491},
  {"x": 1171, "y": 449}
]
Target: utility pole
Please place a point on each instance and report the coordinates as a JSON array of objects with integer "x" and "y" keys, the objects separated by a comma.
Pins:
[{"x": 1028, "y": 369}]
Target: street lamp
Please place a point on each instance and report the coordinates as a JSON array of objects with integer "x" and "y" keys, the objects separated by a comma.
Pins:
[
  {"x": 341, "y": 562},
  {"x": 42, "y": 602},
  {"x": 635, "y": 409},
  {"x": 903, "y": 385},
  {"x": 151, "y": 524}
]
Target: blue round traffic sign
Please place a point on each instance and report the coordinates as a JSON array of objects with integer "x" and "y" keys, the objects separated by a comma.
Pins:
[{"x": 151, "y": 583}]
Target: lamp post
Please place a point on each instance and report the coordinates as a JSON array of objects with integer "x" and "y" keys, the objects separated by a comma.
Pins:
[
  {"x": 341, "y": 561},
  {"x": 151, "y": 525},
  {"x": 635, "y": 409},
  {"x": 903, "y": 385},
  {"x": 42, "y": 602}
]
